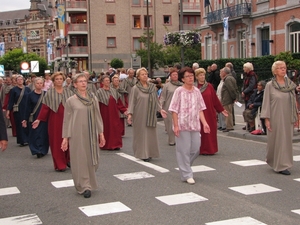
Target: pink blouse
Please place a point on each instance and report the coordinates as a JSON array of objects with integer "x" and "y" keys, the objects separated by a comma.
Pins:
[{"x": 187, "y": 104}]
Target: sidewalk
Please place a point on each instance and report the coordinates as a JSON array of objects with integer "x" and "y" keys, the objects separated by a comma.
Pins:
[{"x": 238, "y": 132}]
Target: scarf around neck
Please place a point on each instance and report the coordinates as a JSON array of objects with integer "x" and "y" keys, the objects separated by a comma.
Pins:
[
  {"x": 176, "y": 83},
  {"x": 53, "y": 99},
  {"x": 289, "y": 87},
  {"x": 152, "y": 102},
  {"x": 104, "y": 95}
]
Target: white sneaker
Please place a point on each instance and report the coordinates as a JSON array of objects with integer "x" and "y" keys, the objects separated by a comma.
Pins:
[{"x": 190, "y": 181}]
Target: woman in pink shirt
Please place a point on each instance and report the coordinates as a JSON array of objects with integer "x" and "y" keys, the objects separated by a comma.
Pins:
[
  {"x": 187, "y": 107},
  {"x": 48, "y": 82}
]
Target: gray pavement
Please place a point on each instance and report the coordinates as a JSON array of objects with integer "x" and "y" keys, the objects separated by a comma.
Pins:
[{"x": 227, "y": 189}]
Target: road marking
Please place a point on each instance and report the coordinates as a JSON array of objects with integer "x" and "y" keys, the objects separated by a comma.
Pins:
[
  {"x": 252, "y": 162},
  {"x": 298, "y": 179},
  {"x": 147, "y": 164},
  {"x": 133, "y": 176},
  {"x": 201, "y": 168},
  {"x": 296, "y": 158},
  {"x": 30, "y": 219},
  {"x": 296, "y": 211},
  {"x": 102, "y": 209},
  {"x": 9, "y": 191},
  {"x": 238, "y": 221},
  {"x": 181, "y": 198},
  {"x": 63, "y": 183},
  {"x": 254, "y": 189}
]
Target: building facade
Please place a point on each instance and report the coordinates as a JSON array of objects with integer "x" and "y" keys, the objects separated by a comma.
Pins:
[{"x": 255, "y": 28}]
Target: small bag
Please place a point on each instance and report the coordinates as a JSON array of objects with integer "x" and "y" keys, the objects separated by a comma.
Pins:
[{"x": 15, "y": 108}]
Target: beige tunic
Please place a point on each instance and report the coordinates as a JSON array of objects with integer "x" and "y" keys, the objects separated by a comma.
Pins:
[
  {"x": 126, "y": 84},
  {"x": 165, "y": 100},
  {"x": 145, "y": 143},
  {"x": 75, "y": 127},
  {"x": 277, "y": 107}
]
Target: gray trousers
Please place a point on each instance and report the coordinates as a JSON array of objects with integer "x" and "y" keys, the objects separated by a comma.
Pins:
[
  {"x": 168, "y": 125},
  {"x": 187, "y": 150}
]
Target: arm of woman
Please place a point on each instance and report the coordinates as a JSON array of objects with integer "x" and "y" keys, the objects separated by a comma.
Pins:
[{"x": 204, "y": 123}]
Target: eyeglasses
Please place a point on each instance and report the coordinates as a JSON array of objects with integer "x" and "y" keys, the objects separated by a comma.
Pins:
[{"x": 188, "y": 76}]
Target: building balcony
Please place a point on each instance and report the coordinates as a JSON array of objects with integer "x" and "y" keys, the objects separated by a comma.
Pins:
[
  {"x": 72, "y": 51},
  {"x": 190, "y": 26},
  {"x": 73, "y": 6},
  {"x": 232, "y": 12},
  {"x": 190, "y": 7},
  {"x": 78, "y": 28}
]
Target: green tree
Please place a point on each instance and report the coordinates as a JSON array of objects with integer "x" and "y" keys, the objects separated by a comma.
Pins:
[
  {"x": 116, "y": 63},
  {"x": 12, "y": 61},
  {"x": 156, "y": 52}
]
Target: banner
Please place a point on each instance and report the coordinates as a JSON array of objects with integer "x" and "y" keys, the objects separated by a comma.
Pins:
[
  {"x": 2, "y": 49},
  {"x": 225, "y": 25},
  {"x": 61, "y": 20},
  {"x": 49, "y": 51},
  {"x": 24, "y": 41}
]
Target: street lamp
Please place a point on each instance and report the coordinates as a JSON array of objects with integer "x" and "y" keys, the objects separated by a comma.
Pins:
[{"x": 181, "y": 29}]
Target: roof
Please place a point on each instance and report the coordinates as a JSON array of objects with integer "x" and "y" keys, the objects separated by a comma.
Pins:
[{"x": 9, "y": 18}]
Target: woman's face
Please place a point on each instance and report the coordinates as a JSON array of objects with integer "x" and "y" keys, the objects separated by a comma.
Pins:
[
  {"x": 20, "y": 81},
  {"x": 174, "y": 76},
  {"x": 143, "y": 77},
  {"x": 38, "y": 84},
  {"x": 81, "y": 84},
  {"x": 58, "y": 81},
  {"x": 246, "y": 70},
  {"x": 260, "y": 87},
  {"x": 116, "y": 82},
  {"x": 280, "y": 70},
  {"x": 188, "y": 78},
  {"x": 201, "y": 78},
  {"x": 106, "y": 82}
]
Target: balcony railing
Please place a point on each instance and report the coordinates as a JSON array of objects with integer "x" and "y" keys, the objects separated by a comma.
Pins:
[
  {"x": 75, "y": 50},
  {"x": 76, "y": 4},
  {"x": 243, "y": 9},
  {"x": 190, "y": 6},
  {"x": 78, "y": 27}
]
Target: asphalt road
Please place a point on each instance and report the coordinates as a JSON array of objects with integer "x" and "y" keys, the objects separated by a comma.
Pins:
[{"x": 27, "y": 195}]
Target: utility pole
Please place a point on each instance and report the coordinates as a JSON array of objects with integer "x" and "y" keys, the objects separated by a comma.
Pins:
[
  {"x": 148, "y": 40},
  {"x": 181, "y": 29}
]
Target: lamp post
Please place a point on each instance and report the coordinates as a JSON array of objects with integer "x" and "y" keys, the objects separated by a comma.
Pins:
[
  {"x": 181, "y": 29},
  {"x": 148, "y": 39}
]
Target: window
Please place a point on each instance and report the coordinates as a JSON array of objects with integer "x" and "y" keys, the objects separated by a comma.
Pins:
[
  {"x": 137, "y": 21},
  {"x": 167, "y": 1},
  {"x": 149, "y": 2},
  {"x": 147, "y": 21},
  {"x": 136, "y": 44},
  {"x": 242, "y": 44},
  {"x": 79, "y": 40},
  {"x": 18, "y": 37},
  {"x": 109, "y": 1},
  {"x": 208, "y": 48},
  {"x": 2, "y": 39},
  {"x": 295, "y": 37},
  {"x": 191, "y": 22},
  {"x": 37, "y": 51},
  {"x": 167, "y": 20},
  {"x": 1, "y": 22},
  {"x": 79, "y": 18},
  {"x": 111, "y": 42},
  {"x": 110, "y": 19},
  {"x": 8, "y": 22},
  {"x": 136, "y": 2},
  {"x": 223, "y": 49},
  {"x": 9, "y": 38}
]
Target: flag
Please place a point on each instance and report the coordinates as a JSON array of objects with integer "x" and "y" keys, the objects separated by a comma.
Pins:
[
  {"x": 206, "y": 3},
  {"x": 225, "y": 25},
  {"x": 24, "y": 40},
  {"x": 49, "y": 51},
  {"x": 2, "y": 49}
]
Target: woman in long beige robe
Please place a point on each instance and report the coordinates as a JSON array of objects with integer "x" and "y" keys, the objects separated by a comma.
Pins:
[
  {"x": 83, "y": 131},
  {"x": 280, "y": 113},
  {"x": 165, "y": 100},
  {"x": 143, "y": 105}
]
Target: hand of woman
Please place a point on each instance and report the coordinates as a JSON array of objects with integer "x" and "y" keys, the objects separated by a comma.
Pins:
[
  {"x": 7, "y": 114},
  {"x": 163, "y": 113},
  {"x": 64, "y": 144},
  {"x": 101, "y": 140},
  {"x": 24, "y": 123},
  {"x": 268, "y": 124},
  {"x": 206, "y": 128},
  {"x": 225, "y": 113},
  {"x": 176, "y": 131},
  {"x": 129, "y": 119},
  {"x": 35, "y": 124}
]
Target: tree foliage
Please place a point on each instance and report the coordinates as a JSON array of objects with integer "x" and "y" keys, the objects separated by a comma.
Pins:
[
  {"x": 12, "y": 61},
  {"x": 116, "y": 63}
]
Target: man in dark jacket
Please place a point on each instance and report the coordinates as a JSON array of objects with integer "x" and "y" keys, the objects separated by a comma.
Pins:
[{"x": 214, "y": 77}]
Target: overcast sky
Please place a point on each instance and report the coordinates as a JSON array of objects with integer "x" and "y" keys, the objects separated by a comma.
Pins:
[{"x": 8, "y": 5}]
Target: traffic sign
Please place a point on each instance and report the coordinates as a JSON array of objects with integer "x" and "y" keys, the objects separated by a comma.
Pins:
[
  {"x": 2, "y": 70},
  {"x": 34, "y": 66},
  {"x": 24, "y": 66}
]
